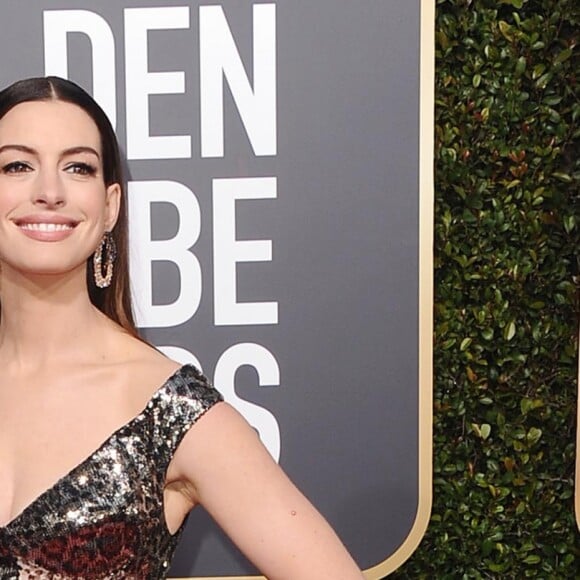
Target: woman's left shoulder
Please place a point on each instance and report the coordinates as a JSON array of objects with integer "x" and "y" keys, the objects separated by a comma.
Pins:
[
  {"x": 142, "y": 368},
  {"x": 149, "y": 362}
]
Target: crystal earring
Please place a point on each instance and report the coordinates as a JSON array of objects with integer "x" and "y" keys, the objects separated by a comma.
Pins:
[{"x": 106, "y": 252}]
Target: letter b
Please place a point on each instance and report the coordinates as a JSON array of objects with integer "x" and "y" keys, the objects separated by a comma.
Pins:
[{"x": 145, "y": 250}]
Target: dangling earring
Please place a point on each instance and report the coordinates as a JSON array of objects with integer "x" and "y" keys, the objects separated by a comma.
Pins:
[{"x": 109, "y": 249}]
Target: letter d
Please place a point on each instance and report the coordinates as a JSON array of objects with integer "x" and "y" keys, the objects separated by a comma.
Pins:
[{"x": 57, "y": 24}]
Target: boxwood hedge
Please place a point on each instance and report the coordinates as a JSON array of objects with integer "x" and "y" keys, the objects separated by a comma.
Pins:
[{"x": 507, "y": 233}]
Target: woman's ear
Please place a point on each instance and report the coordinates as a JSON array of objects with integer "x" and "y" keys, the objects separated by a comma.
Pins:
[{"x": 112, "y": 205}]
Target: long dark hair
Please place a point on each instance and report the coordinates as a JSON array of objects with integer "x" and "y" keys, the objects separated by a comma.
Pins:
[{"x": 114, "y": 301}]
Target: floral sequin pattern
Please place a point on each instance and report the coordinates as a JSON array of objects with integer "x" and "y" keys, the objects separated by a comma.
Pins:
[{"x": 104, "y": 519}]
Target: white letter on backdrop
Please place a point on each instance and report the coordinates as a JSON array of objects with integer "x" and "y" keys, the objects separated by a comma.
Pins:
[
  {"x": 57, "y": 24},
  {"x": 227, "y": 251},
  {"x": 265, "y": 364},
  {"x": 141, "y": 83},
  {"x": 219, "y": 58},
  {"x": 144, "y": 251}
]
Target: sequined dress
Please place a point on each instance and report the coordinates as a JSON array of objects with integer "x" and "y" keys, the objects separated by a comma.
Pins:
[{"x": 104, "y": 519}]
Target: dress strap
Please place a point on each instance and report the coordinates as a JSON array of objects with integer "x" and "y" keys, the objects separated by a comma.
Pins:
[{"x": 180, "y": 402}]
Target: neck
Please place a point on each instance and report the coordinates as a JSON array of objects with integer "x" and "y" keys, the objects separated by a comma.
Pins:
[{"x": 45, "y": 319}]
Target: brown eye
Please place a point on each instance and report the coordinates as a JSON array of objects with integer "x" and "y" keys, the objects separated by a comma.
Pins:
[
  {"x": 16, "y": 167},
  {"x": 81, "y": 169}
]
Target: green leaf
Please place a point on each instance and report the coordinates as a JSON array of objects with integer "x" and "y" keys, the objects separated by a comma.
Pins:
[
  {"x": 563, "y": 56},
  {"x": 543, "y": 81},
  {"x": 485, "y": 431},
  {"x": 497, "y": 567},
  {"x": 506, "y": 30},
  {"x": 486, "y": 547},
  {"x": 465, "y": 344},
  {"x": 565, "y": 177},
  {"x": 534, "y": 435},
  {"x": 516, "y": 3},
  {"x": 487, "y": 333},
  {"x": 509, "y": 330},
  {"x": 538, "y": 70},
  {"x": 569, "y": 223},
  {"x": 527, "y": 405}
]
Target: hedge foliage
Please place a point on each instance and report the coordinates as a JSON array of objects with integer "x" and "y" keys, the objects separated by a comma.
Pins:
[{"x": 507, "y": 238}]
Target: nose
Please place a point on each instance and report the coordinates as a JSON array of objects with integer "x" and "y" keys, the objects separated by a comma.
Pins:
[{"x": 50, "y": 191}]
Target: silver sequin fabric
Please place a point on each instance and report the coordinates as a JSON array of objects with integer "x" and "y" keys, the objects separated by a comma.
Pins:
[{"x": 105, "y": 518}]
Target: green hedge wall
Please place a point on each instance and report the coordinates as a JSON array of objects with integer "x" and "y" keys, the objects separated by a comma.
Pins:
[{"x": 507, "y": 236}]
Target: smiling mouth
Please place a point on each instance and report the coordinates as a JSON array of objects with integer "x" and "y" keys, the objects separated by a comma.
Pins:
[{"x": 46, "y": 227}]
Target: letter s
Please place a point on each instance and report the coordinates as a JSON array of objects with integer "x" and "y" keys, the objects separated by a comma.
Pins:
[{"x": 268, "y": 371}]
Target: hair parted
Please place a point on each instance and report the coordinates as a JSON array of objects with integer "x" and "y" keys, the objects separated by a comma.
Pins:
[{"x": 114, "y": 301}]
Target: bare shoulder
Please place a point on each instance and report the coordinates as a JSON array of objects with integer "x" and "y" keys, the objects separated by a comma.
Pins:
[
  {"x": 140, "y": 368},
  {"x": 147, "y": 361},
  {"x": 220, "y": 439}
]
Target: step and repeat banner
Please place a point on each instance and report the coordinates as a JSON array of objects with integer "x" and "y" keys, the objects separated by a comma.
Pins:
[{"x": 279, "y": 167}]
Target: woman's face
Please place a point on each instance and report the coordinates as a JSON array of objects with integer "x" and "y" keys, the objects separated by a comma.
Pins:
[{"x": 54, "y": 206}]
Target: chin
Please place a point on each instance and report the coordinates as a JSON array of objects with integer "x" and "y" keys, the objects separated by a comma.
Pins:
[{"x": 56, "y": 268}]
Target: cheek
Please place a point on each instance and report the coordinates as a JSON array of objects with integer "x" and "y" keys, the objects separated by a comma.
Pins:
[
  {"x": 94, "y": 203},
  {"x": 12, "y": 194}
]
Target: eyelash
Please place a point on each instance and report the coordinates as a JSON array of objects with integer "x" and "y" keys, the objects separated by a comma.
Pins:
[
  {"x": 16, "y": 167},
  {"x": 78, "y": 168}
]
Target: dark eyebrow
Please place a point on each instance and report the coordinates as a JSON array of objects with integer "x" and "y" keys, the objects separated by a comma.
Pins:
[
  {"x": 22, "y": 148},
  {"x": 69, "y": 151},
  {"x": 80, "y": 149}
]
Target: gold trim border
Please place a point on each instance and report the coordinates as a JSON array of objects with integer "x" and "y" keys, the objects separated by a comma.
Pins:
[
  {"x": 577, "y": 476},
  {"x": 426, "y": 220},
  {"x": 426, "y": 224}
]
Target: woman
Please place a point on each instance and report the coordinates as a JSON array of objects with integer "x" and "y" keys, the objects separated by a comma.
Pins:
[{"x": 105, "y": 444}]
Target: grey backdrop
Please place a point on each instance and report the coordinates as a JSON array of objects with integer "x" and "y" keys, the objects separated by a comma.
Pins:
[{"x": 344, "y": 231}]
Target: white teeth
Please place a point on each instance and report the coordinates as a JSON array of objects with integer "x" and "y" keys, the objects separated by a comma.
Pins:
[{"x": 44, "y": 227}]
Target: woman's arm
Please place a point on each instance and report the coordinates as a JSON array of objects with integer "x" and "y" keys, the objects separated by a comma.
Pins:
[{"x": 226, "y": 468}]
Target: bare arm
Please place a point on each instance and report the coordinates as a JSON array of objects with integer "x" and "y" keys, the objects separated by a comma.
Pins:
[{"x": 227, "y": 469}]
